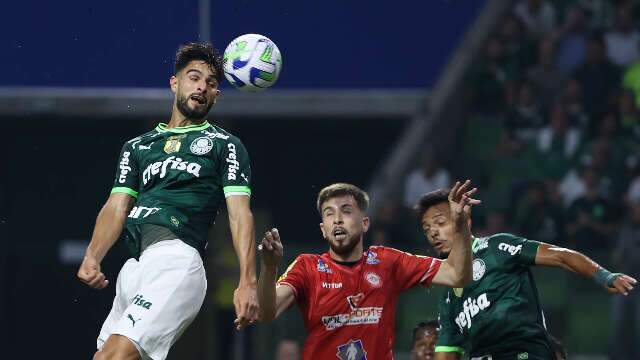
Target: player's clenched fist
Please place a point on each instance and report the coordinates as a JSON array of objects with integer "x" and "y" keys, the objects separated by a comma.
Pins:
[{"x": 90, "y": 274}]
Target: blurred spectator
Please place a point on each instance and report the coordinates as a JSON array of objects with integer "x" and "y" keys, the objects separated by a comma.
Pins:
[
  {"x": 574, "y": 106},
  {"x": 517, "y": 46},
  {"x": 544, "y": 75},
  {"x": 489, "y": 76},
  {"x": 538, "y": 16},
  {"x": 425, "y": 336},
  {"x": 537, "y": 218},
  {"x": 593, "y": 164},
  {"x": 496, "y": 222},
  {"x": 523, "y": 120},
  {"x": 626, "y": 255},
  {"x": 288, "y": 350},
  {"x": 597, "y": 76},
  {"x": 591, "y": 221},
  {"x": 629, "y": 116},
  {"x": 602, "y": 12},
  {"x": 558, "y": 143},
  {"x": 572, "y": 40},
  {"x": 387, "y": 230},
  {"x": 430, "y": 176},
  {"x": 633, "y": 194},
  {"x": 623, "y": 40}
]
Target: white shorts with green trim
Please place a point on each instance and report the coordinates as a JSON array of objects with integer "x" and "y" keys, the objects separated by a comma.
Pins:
[{"x": 157, "y": 298}]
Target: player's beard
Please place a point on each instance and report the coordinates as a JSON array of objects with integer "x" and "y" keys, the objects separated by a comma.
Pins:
[
  {"x": 197, "y": 113},
  {"x": 345, "y": 248}
]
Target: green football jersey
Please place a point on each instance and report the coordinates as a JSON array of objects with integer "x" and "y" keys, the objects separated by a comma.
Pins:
[
  {"x": 499, "y": 313},
  {"x": 179, "y": 177}
]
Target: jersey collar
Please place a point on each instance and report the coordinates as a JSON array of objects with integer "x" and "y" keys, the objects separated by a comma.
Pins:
[{"x": 162, "y": 128}]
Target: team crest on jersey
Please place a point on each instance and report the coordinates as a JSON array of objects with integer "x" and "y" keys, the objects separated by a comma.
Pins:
[
  {"x": 322, "y": 267},
  {"x": 173, "y": 144},
  {"x": 353, "y": 350},
  {"x": 479, "y": 268},
  {"x": 201, "y": 145},
  {"x": 372, "y": 258},
  {"x": 373, "y": 279}
]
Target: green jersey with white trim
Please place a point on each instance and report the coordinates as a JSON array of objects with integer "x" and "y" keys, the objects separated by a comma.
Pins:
[
  {"x": 499, "y": 313},
  {"x": 180, "y": 177}
]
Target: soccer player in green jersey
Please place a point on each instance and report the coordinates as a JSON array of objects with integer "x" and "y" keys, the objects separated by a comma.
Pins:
[
  {"x": 169, "y": 185},
  {"x": 498, "y": 315}
]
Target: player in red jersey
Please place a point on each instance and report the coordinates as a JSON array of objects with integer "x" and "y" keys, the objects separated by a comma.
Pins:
[{"x": 348, "y": 296}]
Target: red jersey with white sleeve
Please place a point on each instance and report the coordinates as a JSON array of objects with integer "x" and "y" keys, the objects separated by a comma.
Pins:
[{"x": 349, "y": 311}]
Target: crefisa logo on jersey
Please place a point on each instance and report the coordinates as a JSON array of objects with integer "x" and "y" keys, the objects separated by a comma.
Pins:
[
  {"x": 172, "y": 163},
  {"x": 232, "y": 160},
  {"x": 470, "y": 308},
  {"x": 353, "y": 350},
  {"x": 373, "y": 279},
  {"x": 479, "y": 268},
  {"x": 124, "y": 167},
  {"x": 511, "y": 249},
  {"x": 201, "y": 145},
  {"x": 323, "y": 268}
]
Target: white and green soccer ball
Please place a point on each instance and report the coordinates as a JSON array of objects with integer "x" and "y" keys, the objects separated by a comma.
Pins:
[{"x": 252, "y": 62}]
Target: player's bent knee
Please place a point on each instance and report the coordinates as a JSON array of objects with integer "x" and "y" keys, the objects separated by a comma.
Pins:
[{"x": 117, "y": 347}]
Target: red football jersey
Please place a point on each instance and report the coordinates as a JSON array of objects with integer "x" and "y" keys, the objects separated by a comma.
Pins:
[{"x": 349, "y": 311}]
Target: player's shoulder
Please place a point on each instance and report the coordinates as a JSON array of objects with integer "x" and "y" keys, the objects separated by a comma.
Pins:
[
  {"x": 140, "y": 138},
  {"x": 220, "y": 133},
  {"x": 380, "y": 253}
]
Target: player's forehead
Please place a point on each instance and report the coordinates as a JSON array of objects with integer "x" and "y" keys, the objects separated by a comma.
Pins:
[
  {"x": 435, "y": 212},
  {"x": 339, "y": 201},
  {"x": 199, "y": 67}
]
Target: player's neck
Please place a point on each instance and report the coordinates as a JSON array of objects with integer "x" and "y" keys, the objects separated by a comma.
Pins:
[
  {"x": 354, "y": 255},
  {"x": 179, "y": 120}
]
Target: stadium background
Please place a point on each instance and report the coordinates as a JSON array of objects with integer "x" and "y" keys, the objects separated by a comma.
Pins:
[{"x": 518, "y": 100}]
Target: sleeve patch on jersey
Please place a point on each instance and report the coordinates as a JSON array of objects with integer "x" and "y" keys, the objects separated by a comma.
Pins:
[
  {"x": 236, "y": 190},
  {"x": 450, "y": 349},
  {"x": 125, "y": 190},
  {"x": 432, "y": 271}
]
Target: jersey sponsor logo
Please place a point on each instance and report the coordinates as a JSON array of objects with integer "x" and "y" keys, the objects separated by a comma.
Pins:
[
  {"x": 523, "y": 356},
  {"x": 323, "y": 268},
  {"x": 479, "y": 244},
  {"x": 327, "y": 285},
  {"x": 124, "y": 167},
  {"x": 353, "y": 350},
  {"x": 214, "y": 135},
  {"x": 141, "y": 301},
  {"x": 232, "y": 160},
  {"x": 145, "y": 147},
  {"x": 511, "y": 249},
  {"x": 201, "y": 145},
  {"x": 470, "y": 308},
  {"x": 373, "y": 279},
  {"x": 357, "y": 315},
  {"x": 173, "y": 143},
  {"x": 143, "y": 211},
  {"x": 479, "y": 268},
  {"x": 173, "y": 163},
  {"x": 372, "y": 258}
]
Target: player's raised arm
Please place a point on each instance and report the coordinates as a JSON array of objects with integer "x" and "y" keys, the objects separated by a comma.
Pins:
[
  {"x": 273, "y": 299},
  {"x": 550, "y": 255},
  {"x": 456, "y": 271}
]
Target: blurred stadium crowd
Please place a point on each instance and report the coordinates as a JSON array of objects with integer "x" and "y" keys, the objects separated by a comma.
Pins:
[{"x": 552, "y": 135}]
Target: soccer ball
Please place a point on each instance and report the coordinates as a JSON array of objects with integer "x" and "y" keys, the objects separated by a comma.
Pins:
[{"x": 252, "y": 62}]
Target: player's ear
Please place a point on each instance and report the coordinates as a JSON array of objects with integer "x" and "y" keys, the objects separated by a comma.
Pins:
[
  {"x": 365, "y": 223},
  {"x": 173, "y": 84},
  {"x": 324, "y": 234}
]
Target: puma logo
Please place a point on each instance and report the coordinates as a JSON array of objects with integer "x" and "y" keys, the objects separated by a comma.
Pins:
[{"x": 133, "y": 321}]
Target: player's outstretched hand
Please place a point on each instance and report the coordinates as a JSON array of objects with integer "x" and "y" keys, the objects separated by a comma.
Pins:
[
  {"x": 271, "y": 248},
  {"x": 622, "y": 285},
  {"x": 90, "y": 274},
  {"x": 245, "y": 300},
  {"x": 461, "y": 200}
]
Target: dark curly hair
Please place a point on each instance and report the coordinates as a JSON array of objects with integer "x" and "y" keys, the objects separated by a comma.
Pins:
[{"x": 196, "y": 51}]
